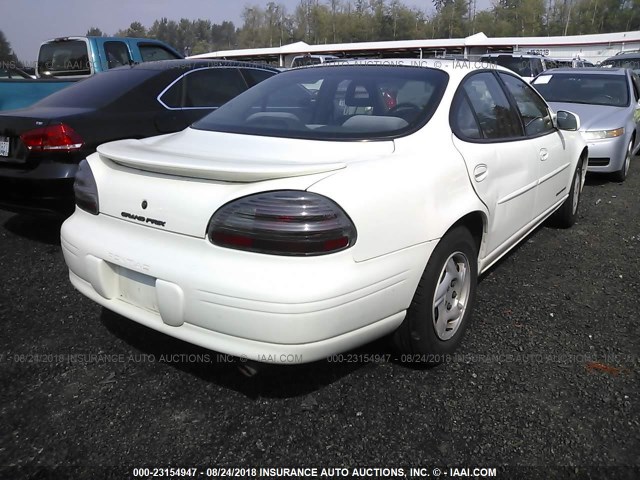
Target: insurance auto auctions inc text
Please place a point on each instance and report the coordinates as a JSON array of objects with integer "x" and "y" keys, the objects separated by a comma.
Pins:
[{"x": 354, "y": 472}]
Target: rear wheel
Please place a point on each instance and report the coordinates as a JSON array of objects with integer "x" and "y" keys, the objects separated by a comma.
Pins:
[
  {"x": 441, "y": 307},
  {"x": 621, "y": 175}
]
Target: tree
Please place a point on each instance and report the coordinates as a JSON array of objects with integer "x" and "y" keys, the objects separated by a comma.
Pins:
[
  {"x": 136, "y": 29},
  {"x": 95, "y": 32},
  {"x": 165, "y": 30},
  {"x": 6, "y": 52},
  {"x": 224, "y": 36},
  {"x": 336, "y": 21}
]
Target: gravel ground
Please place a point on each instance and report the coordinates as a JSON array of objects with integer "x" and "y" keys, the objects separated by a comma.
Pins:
[{"x": 547, "y": 375}]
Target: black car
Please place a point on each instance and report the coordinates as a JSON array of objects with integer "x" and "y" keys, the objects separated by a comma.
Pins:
[
  {"x": 624, "y": 60},
  {"x": 41, "y": 146}
]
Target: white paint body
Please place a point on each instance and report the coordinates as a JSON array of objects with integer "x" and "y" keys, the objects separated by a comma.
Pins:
[{"x": 402, "y": 195}]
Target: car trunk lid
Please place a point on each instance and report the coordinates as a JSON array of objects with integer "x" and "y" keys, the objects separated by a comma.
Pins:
[
  {"x": 237, "y": 158},
  {"x": 14, "y": 123},
  {"x": 176, "y": 182}
]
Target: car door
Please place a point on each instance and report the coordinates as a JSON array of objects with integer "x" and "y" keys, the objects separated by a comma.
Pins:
[
  {"x": 502, "y": 163},
  {"x": 554, "y": 163}
]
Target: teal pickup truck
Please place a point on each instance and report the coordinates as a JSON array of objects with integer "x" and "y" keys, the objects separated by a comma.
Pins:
[{"x": 62, "y": 61}]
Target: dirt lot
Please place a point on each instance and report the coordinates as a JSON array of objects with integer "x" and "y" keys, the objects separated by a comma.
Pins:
[{"x": 547, "y": 376}]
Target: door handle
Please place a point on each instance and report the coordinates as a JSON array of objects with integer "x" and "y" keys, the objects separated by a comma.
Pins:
[
  {"x": 480, "y": 172},
  {"x": 544, "y": 154}
]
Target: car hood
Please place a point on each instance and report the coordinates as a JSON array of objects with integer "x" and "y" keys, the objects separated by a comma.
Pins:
[
  {"x": 238, "y": 158},
  {"x": 595, "y": 117}
]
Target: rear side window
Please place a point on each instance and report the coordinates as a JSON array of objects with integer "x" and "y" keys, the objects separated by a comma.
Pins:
[
  {"x": 64, "y": 59},
  {"x": 495, "y": 116},
  {"x": 205, "y": 88},
  {"x": 464, "y": 120},
  {"x": 152, "y": 53}
]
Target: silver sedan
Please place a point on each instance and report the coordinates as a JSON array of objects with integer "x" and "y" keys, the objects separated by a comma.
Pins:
[{"x": 607, "y": 102}]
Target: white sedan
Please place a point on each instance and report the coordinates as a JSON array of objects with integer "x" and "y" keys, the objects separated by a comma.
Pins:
[{"x": 324, "y": 208}]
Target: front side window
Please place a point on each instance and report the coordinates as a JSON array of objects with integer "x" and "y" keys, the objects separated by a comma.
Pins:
[
  {"x": 496, "y": 118},
  {"x": 593, "y": 88},
  {"x": 117, "y": 54},
  {"x": 334, "y": 102},
  {"x": 534, "y": 112}
]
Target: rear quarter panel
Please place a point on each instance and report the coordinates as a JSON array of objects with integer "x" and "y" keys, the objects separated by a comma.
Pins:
[{"x": 413, "y": 196}]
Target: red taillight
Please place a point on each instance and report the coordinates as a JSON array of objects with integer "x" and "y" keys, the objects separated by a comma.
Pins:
[
  {"x": 283, "y": 222},
  {"x": 54, "y": 137}
]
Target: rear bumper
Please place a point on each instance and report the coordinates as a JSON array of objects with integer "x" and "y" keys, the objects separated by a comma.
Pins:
[
  {"x": 261, "y": 307},
  {"x": 47, "y": 189}
]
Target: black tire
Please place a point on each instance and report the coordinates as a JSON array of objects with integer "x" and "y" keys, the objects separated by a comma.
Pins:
[
  {"x": 418, "y": 333},
  {"x": 567, "y": 214},
  {"x": 621, "y": 175}
]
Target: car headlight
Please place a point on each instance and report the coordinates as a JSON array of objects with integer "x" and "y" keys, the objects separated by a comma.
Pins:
[
  {"x": 282, "y": 222},
  {"x": 602, "y": 134},
  {"x": 85, "y": 189}
]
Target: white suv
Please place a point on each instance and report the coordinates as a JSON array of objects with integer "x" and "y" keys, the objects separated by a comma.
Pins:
[
  {"x": 527, "y": 65},
  {"x": 305, "y": 60}
]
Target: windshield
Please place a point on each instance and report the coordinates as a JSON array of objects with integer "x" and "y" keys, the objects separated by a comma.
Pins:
[
  {"x": 98, "y": 91},
  {"x": 596, "y": 89},
  {"x": 340, "y": 102}
]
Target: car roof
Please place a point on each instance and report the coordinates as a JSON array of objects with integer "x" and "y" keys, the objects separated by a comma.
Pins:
[
  {"x": 624, "y": 56},
  {"x": 586, "y": 70},
  {"x": 190, "y": 64}
]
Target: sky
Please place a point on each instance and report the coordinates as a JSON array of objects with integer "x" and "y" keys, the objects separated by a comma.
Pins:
[{"x": 27, "y": 23}]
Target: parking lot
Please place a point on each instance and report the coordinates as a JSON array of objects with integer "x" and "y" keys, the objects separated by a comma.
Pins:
[{"x": 547, "y": 375}]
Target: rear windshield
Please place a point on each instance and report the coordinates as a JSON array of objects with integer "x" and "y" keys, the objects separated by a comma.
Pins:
[
  {"x": 99, "y": 90},
  {"x": 63, "y": 59},
  {"x": 334, "y": 102},
  {"x": 596, "y": 89}
]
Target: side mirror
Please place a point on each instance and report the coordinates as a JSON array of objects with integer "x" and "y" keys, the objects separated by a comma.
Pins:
[{"x": 567, "y": 121}]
